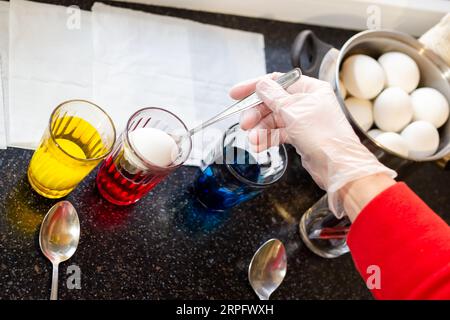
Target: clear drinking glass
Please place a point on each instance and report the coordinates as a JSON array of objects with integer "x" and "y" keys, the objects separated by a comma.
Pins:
[
  {"x": 234, "y": 173},
  {"x": 126, "y": 176},
  {"x": 79, "y": 135},
  {"x": 322, "y": 232}
]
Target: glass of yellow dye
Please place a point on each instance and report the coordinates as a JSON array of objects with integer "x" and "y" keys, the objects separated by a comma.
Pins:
[{"x": 79, "y": 135}]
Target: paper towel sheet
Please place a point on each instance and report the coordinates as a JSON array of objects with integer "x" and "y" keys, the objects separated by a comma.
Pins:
[
  {"x": 147, "y": 60},
  {"x": 50, "y": 61},
  {"x": 4, "y": 39}
]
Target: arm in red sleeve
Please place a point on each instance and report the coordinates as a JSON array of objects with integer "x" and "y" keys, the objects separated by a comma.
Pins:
[{"x": 410, "y": 244}]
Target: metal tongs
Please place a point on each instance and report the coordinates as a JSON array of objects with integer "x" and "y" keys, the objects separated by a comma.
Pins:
[{"x": 248, "y": 102}]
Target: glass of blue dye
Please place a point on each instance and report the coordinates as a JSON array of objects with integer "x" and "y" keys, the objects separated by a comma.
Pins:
[{"x": 233, "y": 173}]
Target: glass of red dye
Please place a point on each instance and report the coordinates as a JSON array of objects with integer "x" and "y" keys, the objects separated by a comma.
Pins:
[{"x": 126, "y": 176}]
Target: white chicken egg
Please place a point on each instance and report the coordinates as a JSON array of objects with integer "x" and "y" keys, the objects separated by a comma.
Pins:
[
  {"x": 362, "y": 76},
  {"x": 392, "y": 109},
  {"x": 400, "y": 70},
  {"x": 422, "y": 139},
  {"x": 155, "y": 145},
  {"x": 430, "y": 105},
  {"x": 342, "y": 89},
  {"x": 394, "y": 142},
  {"x": 361, "y": 111},
  {"x": 374, "y": 133}
]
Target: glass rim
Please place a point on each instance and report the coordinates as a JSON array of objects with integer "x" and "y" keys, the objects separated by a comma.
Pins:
[
  {"x": 141, "y": 157},
  {"x": 52, "y": 136},
  {"x": 240, "y": 177}
]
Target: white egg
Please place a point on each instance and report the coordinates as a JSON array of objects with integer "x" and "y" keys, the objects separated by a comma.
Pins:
[
  {"x": 342, "y": 89},
  {"x": 394, "y": 142},
  {"x": 430, "y": 105},
  {"x": 361, "y": 111},
  {"x": 362, "y": 76},
  {"x": 374, "y": 133},
  {"x": 392, "y": 109},
  {"x": 400, "y": 70},
  {"x": 155, "y": 145},
  {"x": 422, "y": 139}
]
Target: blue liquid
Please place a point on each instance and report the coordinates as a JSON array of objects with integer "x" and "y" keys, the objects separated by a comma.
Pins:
[{"x": 218, "y": 189}]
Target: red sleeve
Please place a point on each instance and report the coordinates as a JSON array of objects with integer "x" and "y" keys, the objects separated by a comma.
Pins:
[{"x": 398, "y": 235}]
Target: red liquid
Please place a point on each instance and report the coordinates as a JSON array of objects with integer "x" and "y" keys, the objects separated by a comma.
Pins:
[{"x": 121, "y": 187}]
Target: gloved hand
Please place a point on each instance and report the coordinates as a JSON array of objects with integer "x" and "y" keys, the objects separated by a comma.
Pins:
[{"x": 309, "y": 117}]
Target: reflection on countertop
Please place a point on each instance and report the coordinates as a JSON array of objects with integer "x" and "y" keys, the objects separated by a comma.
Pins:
[{"x": 166, "y": 246}]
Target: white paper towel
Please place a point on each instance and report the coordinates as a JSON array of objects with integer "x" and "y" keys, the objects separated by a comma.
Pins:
[
  {"x": 49, "y": 62},
  {"x": 123, "y": 60},
  {"x": 144, "y": 60},
  {"x": 438, "y": 38},
  {"x": 4, "y": 40}
]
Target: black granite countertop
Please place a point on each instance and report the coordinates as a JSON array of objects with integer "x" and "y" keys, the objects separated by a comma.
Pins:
[{"x": 162, "y": 248}]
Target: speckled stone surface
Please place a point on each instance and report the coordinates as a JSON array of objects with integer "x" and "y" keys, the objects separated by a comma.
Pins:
[{"x": 166, "y": 247}]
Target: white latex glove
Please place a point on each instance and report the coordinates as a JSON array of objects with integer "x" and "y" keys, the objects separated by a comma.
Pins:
[{"x": 309, "y": 117}]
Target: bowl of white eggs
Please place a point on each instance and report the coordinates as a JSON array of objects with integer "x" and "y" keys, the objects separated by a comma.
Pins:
[{"x": 394, "y": 91}]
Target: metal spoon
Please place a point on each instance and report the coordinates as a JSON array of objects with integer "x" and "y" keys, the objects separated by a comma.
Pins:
[
  {"x": 58, "y": 238},
  {"x": 252, "y": 100},
  {"x": 267, "y": 268}
]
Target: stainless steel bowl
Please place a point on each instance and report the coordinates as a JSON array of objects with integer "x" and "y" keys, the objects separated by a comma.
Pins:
[{"x": 319, "y": 59}]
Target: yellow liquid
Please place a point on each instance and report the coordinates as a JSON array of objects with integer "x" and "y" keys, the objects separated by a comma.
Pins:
[{"x": 57, "y": 168}]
